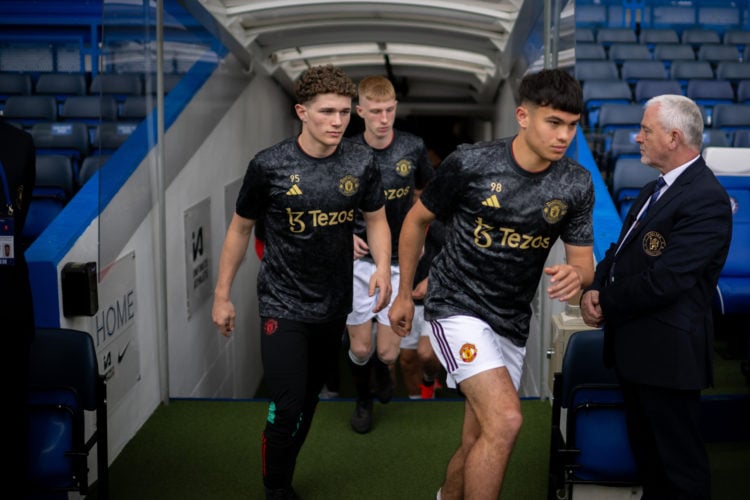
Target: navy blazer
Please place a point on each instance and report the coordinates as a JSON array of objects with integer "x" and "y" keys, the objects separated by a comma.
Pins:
[{"x": 656, "y": 293}]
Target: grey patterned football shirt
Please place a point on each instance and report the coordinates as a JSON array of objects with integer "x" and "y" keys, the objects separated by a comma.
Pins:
[
  {"x": 404, "y": 166},
  {"x": 501, "y": 222},
  {"x": 307, "y": 207}
]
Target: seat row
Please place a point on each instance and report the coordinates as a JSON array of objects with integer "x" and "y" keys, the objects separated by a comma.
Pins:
[
  {"x": 679, "y": 69},
  {"x": 70, "y": 84},
  {"x": 665, "y": 52},
  {"x": 692, "y": 37}
]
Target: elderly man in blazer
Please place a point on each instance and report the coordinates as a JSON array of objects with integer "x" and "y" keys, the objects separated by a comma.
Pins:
[{"x": 652, "y": 295}]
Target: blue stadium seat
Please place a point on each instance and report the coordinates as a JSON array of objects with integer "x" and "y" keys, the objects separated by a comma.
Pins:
[
  {"x": 136, "y": 108},
  {"x": 743, "y": 91},
  {"x": 14, "y": 84},
  {"x": 614, "y": 116},
  {"x": 61, "y": 85},
  {"x": 596, "y": 70},
  {"x": 632, "y": 71},
  {"x": 584, "y": 35},
  {"x": 698, "y": 36},
  {"x": 621, "y": 52},
  {"x": 89, "y": 109},
  {"x": 27, "y": 110},
  {"x": 54, "y": 177},
  {"x": 594, "y": 16},
  {"x": 42, "y": 211},
  {"x": 590, "y": 50},
  {"x": 682, "y": 71},
  {"x": 709, "y": 93},
  {"x": 714, "y": 138},
  {"x": 598, "y": 92},
  {"x": 589, "y": 438},
  {"x": 607, "y": 36},
  {"x": 717, "y": 52},
  {"x": 719, "y": 18},
  {"x": 730, "y": 117},
  {"x": 651, "y": 37},
  {"x": 91, "y": 165},
  {"x": 60, "y": 138},
  {"x": 669, "y": 52},
  {"x": 741, "y": 138},
  {"x": 628, "y": 177},
  {"x": 119, "y": 85},
  {"x": 677, "y": 17},
  {"x": 739, "y": 38},
  {"x": 646, "y": 89},
  {"x": 109, "y": 136},
  {"x": 733, "y": 71}
]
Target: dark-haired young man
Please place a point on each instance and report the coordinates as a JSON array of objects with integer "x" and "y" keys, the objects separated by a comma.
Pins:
[
  {"x": 305, "y": 191},
  {"x": 505, "y": 203}
]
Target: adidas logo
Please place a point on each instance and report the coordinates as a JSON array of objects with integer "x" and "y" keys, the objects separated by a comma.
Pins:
[
  {"x": 491, "y": 202},
  {"x": 294, "y": 191}
]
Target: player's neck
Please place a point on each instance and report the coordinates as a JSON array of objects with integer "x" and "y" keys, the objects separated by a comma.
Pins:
[
  {"x": 526, "y": 158},
  {"x": 379, "y": 142}
]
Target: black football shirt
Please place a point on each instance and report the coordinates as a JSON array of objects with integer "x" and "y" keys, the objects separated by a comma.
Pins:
[
  {"x": 307, "y": 209},
  {"x": 501, "y": 222}
]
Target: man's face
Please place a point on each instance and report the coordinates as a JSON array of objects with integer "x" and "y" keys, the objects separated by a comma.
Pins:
[
  {"x": 547, "y": 131},
  {"x": 325, "y": 118},
  {"x": 378, "y": 115},
  {"x": 654, "y": 140}
]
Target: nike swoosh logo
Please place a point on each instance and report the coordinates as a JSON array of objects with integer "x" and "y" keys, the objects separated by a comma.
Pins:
[{"x": 121, "y": 353}]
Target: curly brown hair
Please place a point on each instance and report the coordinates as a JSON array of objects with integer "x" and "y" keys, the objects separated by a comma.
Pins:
[{"x": 327, "y": 79}]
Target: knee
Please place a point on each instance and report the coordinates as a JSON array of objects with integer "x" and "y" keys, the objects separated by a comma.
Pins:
[
  {"x": 388, "y": 357},
  {"x": 508, "y": 425},
  {"x": 282, "y": 423}
]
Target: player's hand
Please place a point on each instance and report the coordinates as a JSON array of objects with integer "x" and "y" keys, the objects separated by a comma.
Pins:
[
  {"x": 380, "y": 282},
  {"x": 401, "y": 315},
  {"x": 223, "y": 316},
  {"x": 360, "y": 247},
  {"x": 420, "y": 290},
  {"x": 565, "y": 282}
]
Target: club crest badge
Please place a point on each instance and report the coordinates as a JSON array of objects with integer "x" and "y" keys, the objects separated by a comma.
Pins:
[
  {"x": 403, "y": 168},
  {"x": 270, "y": 326},
  {"x": 554, "y": 211},
  {"x": 653, "y": 243},
  {"x": 348, "y": 185},
  {"x": 468, "y": 352}
]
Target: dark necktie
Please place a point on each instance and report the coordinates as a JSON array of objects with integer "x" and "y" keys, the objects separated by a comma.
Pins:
[{"x": 660, "y": 183}]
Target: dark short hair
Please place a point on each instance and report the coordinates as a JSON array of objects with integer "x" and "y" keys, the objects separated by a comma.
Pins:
[
  {"x": 327, "y": 79},
  {"x": 555, "y": 88}
]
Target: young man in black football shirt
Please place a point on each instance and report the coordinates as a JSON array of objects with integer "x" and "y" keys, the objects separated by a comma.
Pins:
[{"x": 306, "y": 191}]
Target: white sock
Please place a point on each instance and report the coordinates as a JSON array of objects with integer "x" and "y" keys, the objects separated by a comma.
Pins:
[{"x": 439, "y": 496}]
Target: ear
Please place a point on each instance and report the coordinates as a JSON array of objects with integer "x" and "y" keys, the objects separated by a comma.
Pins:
[
  {"x": 301, "y": 111},
  {"x": 522, "y": 116},
  {"x": 360, "y": 111}
]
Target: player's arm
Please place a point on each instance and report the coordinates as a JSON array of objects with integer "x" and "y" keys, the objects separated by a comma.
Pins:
[
  {"x": 379, "y": 241},
  {"x": 410, "y": 244},
  {"x": 232, "y": 253},
  {"x": 567, "y": 280}
]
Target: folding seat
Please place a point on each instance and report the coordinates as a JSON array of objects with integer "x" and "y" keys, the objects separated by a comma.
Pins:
[
  {"x": 743, "y": 91},
  {"x": 14, "y": 84},
  {"x": 669, "y": 52},
  {"x": 584, "y": 35},
  {"x": 730, "y": 117},
  {"x": 709, "y": 93},
  {"x": 698, "y": 36},
  {"x": 715, "y": 138},
  {"x": 619, "y": 143},
  {"x": 587, "y": 14},
  {"x": 614, "y": 116},
  {"x": 741, "y": 138},
  {"x": 718, "y": 18},
  {"x": 620, "y": 52},
  {"x": 590, "y": 51},
  {"x": 61, "y": 86},
  {"x": 646, "y": 89},
  {"x": 682, "y": 71},
  {"x": 653, "y": 36},
  {"x": 733, "y": 71},
  {"x": 136, "y": 108},
  {"x": 119, "y": 85},
  {"x": 60, "y": 138},
  {"x": 598, "y": 92},
  {"x": 589, "y": 442},
  {"x": 27, "y": 110},
  {"x": 607, "y": 36},
  {"x": 595, "y": 70},
  {"x": 629, "y": 175},
  {"x": 170, "y": 80},
  {"x": 91, "y": 165},
  {"x": 90, "y": 110},
  {"x": 716, "y": 53},
  {"x": 109, "y": 136},
  {"x": 54, "y": 177},
  {"x": 678, "y": 17},
  {"x": 67, "y": 409},
  {"x": 632, "y": 71},
  {"x": 738, "y": 38}
]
